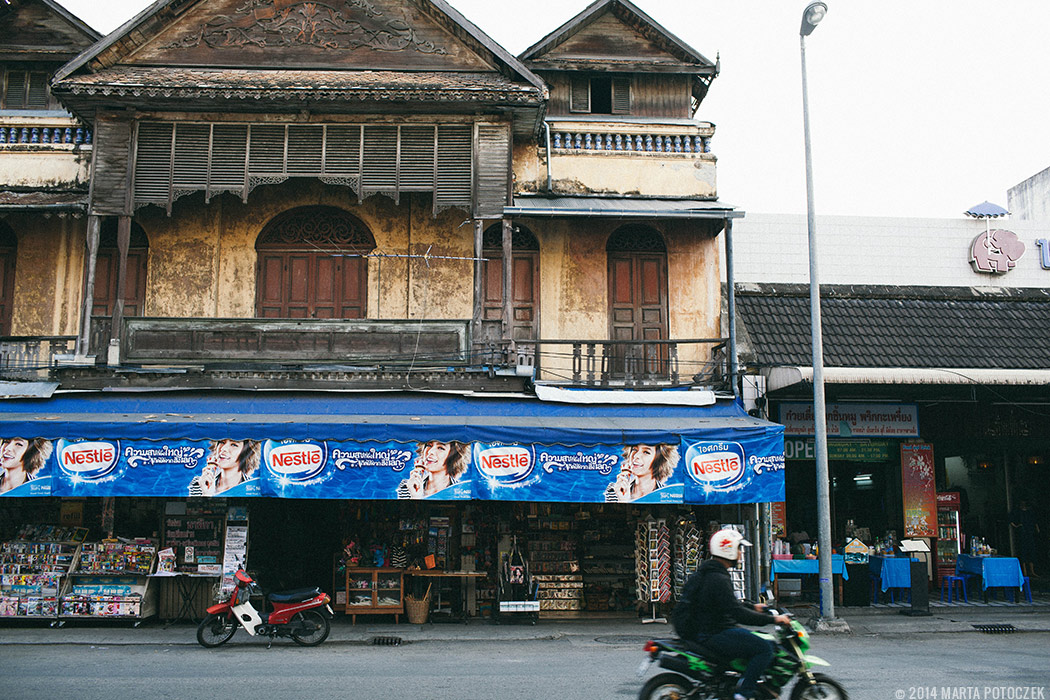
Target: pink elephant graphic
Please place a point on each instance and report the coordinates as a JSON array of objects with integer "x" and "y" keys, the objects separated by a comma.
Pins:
[{"x": 995, "y": 251}]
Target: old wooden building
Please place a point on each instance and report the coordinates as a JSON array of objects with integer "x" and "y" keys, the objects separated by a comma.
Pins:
[{"x": 306, "y": 218}]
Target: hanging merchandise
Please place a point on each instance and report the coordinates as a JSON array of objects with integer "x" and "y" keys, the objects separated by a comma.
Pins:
[
  {"x": 687, "y": 551},
  {"x": 641, "y": 559},
  {"x": 662, "y": 587},
  {"x": 517, "y": 590}
]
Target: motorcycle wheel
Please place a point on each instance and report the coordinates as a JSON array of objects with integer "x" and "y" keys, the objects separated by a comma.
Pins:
[
  {"x": 317, "y": 628},
  {"x": 215, "y": 630},
  {"x": 822, "y": 688},
  {"x": 665, "y": 686}
]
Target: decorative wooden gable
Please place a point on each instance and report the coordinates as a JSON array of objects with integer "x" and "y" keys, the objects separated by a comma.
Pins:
[
  {"x": 609, "y": 39},
  {"x": 295, "y": 34},
  {"x": 39, "y": 30}
]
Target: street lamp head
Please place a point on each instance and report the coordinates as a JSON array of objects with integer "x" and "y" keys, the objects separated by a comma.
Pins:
[{"x": 811, "y": 17}]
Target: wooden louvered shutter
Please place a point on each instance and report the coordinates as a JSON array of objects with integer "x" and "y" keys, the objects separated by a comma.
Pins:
[
  {"x": 493, "y": 170},
  {"x": 379, "y": 173},
  {"x": 109, "y": 184},
  {"x": 418, "y": 158},
  {"x": 191, "y": 162},
  {"x": 229, "y": 158},
  {"x": 305, "y": 150},
  {"x": 455, "y": 167},
  {"x": 580, "y": 99},
  {"x": 621, "y": 95},
  {"x": 15, "y": 89},
  {"x": 153, "y": 164},
  {"x": 38, "y": 95}
]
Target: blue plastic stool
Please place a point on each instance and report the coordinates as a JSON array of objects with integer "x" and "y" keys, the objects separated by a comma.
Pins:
[{"x": 950, "y": 582}]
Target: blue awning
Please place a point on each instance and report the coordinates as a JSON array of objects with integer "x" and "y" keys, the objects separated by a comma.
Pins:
[{"x": 364, "y": 445}]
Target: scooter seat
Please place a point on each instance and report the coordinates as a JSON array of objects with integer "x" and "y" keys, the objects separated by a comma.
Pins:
[{"x": 296, "y": 596}]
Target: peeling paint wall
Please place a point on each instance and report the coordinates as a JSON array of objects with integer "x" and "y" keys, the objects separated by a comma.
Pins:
[
  {"x": 48, "y": 274},
  {"x": 202, "y": 260},
  {"x": 44, "y": 167}
]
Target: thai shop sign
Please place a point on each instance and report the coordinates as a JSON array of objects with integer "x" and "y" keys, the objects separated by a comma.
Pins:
[
  {"x": 725, "y": 466},
  {"x": 919, "y": 490},
  {"x": 846, "y": 420},
  {"x": 839, "y": 450}
]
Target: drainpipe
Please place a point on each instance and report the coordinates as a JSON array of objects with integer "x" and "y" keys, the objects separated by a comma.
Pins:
[
  {"x": 547, "y": 128},
  {"x": 731, "y": 305}
]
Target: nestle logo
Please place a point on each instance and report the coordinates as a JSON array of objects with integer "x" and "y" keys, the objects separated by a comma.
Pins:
[
  {"x": 715, "y": 464},
  {"x": 298, "y": 461},
  {"x": 504, "y": 462},
  {"x": 89, "y": 460}
]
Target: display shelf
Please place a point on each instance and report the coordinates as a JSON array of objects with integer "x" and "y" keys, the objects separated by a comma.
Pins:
[
  {"x": 374, "y": 591},
  {"x": 111, "y": 580},
  {"x": 32, "y": 576}
]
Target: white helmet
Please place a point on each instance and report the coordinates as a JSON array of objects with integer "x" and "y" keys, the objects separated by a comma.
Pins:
[{"x": 726, "y": 544}]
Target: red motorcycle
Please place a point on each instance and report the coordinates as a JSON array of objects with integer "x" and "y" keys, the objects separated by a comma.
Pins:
[{"x": 301, "y": 614}]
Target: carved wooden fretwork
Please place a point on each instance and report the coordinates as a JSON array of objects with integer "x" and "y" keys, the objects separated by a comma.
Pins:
[
  {"x": 521, "y": 238},
  {"x": 635, "y": 238},
  {"x": 335, "y": 25},
  {"x": 317, "y": 228}
]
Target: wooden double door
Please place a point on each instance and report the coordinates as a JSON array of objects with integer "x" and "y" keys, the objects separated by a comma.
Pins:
[{"x": 637, "y": 276}]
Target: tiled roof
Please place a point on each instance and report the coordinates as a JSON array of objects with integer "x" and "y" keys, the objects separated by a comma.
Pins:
[
  {"x": 445, "y": 86},
  {"x": 935, "y": 331},
  {"x": 67, "y": 201}
]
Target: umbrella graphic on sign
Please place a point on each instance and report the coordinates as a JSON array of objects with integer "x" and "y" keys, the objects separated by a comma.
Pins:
[{"x": 997, "y": 250}]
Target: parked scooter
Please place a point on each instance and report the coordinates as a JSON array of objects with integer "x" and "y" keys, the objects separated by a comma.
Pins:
[
  {"x": 301, "y": 614},
  {"x": 698, "y": 671}
]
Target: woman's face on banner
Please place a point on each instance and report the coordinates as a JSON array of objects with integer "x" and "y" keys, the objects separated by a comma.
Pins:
[
  {"x": 434, "y": 456},
  {"x": 12, "y": 451},
  {"x": 640, "y": 459},
  {"x": 225, "y": 454}
]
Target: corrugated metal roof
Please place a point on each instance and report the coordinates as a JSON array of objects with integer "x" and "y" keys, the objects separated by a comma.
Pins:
[{"x": 620, "y": 207}]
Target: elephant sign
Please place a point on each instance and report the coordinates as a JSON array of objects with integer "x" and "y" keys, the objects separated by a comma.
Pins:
[{"x": 995, "y": 251}]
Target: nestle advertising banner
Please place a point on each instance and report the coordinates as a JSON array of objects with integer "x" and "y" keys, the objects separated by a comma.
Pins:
[{"x": 747, "y": 469}]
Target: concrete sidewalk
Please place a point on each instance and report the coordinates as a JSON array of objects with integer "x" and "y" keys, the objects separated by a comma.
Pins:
[{"x": 862, "y": 621}]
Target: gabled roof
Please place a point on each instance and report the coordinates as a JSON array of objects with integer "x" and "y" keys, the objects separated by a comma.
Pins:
[
  {"x": 427, "y": 42},
  {"x": 615, "y": 35},
  {"x": 42, "y": 30},
  {"x": 157, "y": 31}
]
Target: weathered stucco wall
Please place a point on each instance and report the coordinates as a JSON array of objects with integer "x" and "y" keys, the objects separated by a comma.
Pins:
[
  {"x": 202, "y": 260},
  {"x": 48, "y": 274}
]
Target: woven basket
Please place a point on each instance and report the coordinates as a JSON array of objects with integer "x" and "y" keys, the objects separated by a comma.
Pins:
[{"x": 417, "y": 609}]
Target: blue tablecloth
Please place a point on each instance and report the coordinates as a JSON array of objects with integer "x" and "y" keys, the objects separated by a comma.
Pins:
[
  {"x": 895, "y": 572},
  {"x": 807, "y": 566},
  {"x": 994, "y": 571}
]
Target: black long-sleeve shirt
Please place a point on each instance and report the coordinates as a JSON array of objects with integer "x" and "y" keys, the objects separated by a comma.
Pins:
[{"x": 712, "y": 602}]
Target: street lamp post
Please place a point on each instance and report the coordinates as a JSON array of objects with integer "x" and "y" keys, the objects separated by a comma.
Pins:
[{"x": 811, "y": 16}]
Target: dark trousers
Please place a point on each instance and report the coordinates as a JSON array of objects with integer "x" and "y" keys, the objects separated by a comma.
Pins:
[{"x": 739, "y": 643}]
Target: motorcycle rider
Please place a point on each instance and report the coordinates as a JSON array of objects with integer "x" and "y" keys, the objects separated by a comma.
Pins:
[{"x": 708, "y": 613}]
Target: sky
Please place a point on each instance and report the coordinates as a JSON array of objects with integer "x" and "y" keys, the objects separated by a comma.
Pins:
[{"x": 921, "y": 110}]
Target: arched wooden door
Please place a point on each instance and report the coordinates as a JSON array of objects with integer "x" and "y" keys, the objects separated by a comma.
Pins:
[
  {"x": 311, "y": 264},
  {"x": 525, "y": 284},
  {"x": 107, "y": 269},
  {"x": 8, "y": 253},
  {"x": 637, "y": 299}
]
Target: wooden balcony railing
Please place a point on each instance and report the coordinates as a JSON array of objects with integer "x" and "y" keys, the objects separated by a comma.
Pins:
[
  {"x": 627, "y": 363},
  {"x": 32, "y": 357}
]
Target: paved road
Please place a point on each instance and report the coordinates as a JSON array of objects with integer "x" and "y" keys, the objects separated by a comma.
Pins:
[{"x": 942, "y": 666}]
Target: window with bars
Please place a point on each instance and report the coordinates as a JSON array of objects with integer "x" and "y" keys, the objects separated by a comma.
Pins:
[
  {"x": 24, "y": 88},
  {"x": 176, "y": 158}
]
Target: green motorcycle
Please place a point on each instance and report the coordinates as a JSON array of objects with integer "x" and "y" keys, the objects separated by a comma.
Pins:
[{"x": 697, "y": 671}]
